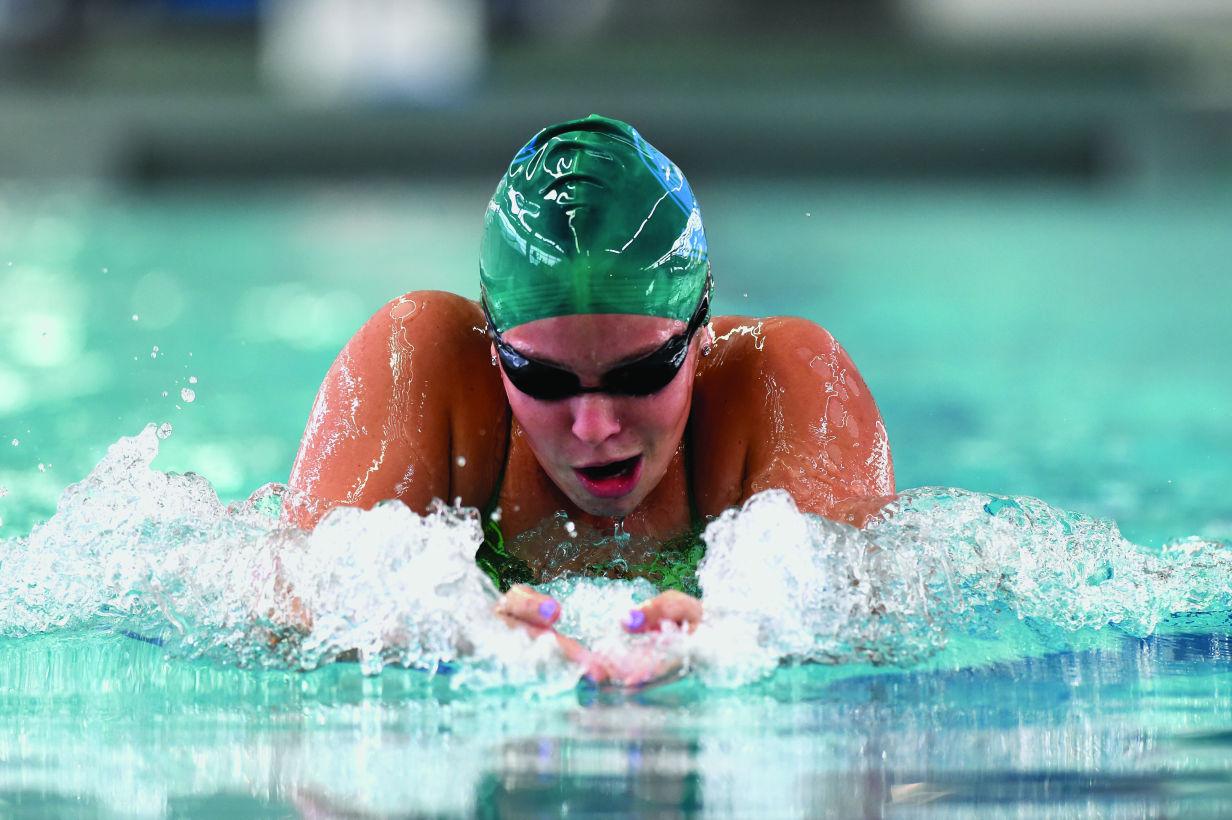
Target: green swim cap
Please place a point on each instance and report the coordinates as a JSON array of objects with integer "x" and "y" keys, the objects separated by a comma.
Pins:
[{"x": 590, "y": 218}]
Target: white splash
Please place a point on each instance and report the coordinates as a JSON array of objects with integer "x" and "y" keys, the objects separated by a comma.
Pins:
[
  {"x": 780, "y": 585},
  {"x": 156, "y": 555}
]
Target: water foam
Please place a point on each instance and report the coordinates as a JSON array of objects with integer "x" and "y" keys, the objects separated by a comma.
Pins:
[
  {"x": 159, "y": 556},
  {"x": 780, "y": 585}
]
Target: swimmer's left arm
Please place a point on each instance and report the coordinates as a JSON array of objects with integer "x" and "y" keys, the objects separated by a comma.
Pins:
[
  {"x": 818, "y": 434},
  {"x": 805, "y": 422}
]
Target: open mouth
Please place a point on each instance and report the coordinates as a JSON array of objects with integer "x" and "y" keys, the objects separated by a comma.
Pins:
[{"x": 611, "y": 480}]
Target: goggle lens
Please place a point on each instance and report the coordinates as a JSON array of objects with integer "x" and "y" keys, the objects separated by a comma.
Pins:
[{"x": 644, "y": 377}]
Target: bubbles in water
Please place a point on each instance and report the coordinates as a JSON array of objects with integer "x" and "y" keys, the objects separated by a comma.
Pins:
[
  {"x": 496, "y": 514},
  {"x": 192, "y": 379},
  {"x": 16, "y": 442},
  {"x": 782, "y": 585},
  {"x": 154, "y": 352},
  {"x": 136, "y": 317},
  {"x": 461, "y": 461},
  {"x": 165, "y": 394},
  {"x": 164, "y": 429},
  {"x": 158, "y": 555},
  {"x": 3, "y": 491},
  {"x": 188, "y": 395},
  {"x": 42, "y": 468}
]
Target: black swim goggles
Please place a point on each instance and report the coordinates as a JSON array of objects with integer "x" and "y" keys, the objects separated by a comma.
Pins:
[{"x": 641, "y": 377}]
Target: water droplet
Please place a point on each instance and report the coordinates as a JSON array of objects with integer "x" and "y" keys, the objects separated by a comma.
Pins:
[
  {"x": 164, "y": 429},
  {"x": 192, "y": 379},
  {"x": 571, "y": 528},
  {"x": 104, "y": 270},
  {"x": 4, "y": 491},
  {"x": 746, "y": 295},
  {"x": 496, "y": 514},
  {"x": 808, "y": 213},
  {"x": 154, "y": 352},
  {"x": 461, "y": 461},
  {"x": 136, "y": 317},
  {"x": 164, "y": 394},
  {"x": 42, "y": 468},
  {"x": 15, "y": 442},
  {"x": 457, "y": 501},
  {"x": 188, "y": 395}
]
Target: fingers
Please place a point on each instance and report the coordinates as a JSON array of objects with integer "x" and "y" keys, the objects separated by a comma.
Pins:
[
  {"x": 523, "y": 607},
  {"x": 533, "y": 608},
  {"x": 651, "y": 670},
  {"x": 645, "y": 668},
  {"x": 671, "y": 606},
  {"x": 536, "y": 613}
]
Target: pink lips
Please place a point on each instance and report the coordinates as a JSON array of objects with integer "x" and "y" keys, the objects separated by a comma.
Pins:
[{"x": 618, "y": 484}]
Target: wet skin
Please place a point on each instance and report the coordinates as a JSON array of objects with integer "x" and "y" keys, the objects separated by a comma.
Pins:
[{"x": 414, "y": 409}]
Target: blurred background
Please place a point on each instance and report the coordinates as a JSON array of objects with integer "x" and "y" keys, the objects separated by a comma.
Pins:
[
  {"x": 173, "y": 90},
  {"x": 1015, "y": 215}
]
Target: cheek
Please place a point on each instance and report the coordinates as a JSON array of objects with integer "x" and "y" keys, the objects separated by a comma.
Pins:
[
  {"x": 666, "y": 413},
  {"x": 542, "y": 421}
]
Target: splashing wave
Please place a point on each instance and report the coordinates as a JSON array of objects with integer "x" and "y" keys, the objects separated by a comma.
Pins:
[{"x": 159, "y": 557}]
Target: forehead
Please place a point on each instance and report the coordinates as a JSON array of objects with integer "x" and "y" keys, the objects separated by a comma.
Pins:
[{"x": 592, "y": 340}]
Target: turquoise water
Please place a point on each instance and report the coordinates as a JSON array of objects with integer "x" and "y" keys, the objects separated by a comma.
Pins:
[{"x": 1064, "y": 343}]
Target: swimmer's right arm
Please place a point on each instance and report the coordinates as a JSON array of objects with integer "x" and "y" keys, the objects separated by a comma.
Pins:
[{"x": 411, "y": 409}]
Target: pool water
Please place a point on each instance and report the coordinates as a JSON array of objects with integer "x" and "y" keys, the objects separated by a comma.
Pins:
[{"x": 1063, "y": 343}]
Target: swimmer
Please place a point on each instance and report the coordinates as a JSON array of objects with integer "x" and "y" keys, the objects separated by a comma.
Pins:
[{"x": 590, "y": 378}]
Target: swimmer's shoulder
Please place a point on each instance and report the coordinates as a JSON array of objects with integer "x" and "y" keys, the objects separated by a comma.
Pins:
[
  {"x": 749, "y": 350},
  {"x": 759, "y": 403},
  {"x": 411, "y": 409}
]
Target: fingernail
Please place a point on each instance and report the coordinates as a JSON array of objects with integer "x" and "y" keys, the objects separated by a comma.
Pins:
[
  {"x": 635, "y": 620},
  {"x": 548, "y": 610}
]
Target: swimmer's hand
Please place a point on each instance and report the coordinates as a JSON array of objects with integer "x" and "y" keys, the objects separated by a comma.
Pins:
[
  {"x": 648, "y": 665},
  {"x": 524, "y": 608},
  {"x": 670, "y": 607}
]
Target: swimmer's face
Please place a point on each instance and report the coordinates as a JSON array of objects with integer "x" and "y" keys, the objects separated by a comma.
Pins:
[{"x": 605, "y": 452}]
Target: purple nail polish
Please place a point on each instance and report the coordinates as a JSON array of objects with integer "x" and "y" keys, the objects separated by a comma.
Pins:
[
  {"x": 548, "y": 610},
  {"x": 635, "y": 620}
]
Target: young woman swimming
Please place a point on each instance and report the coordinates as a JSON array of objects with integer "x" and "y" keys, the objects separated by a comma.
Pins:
[{"x": 589, "y": 378}]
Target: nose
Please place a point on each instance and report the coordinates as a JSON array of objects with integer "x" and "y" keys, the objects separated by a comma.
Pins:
[{"x": 594, "y": 418}]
